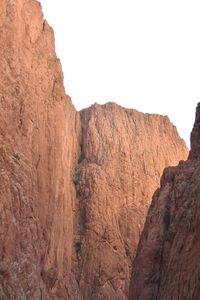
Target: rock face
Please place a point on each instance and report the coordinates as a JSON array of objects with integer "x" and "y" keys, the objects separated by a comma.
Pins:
[
  {"x": 73, "y": 195},
  {"x": 38, "y": 149},
  {"x": 167, "y": 261},
  {"x": 123, "y": 154}
]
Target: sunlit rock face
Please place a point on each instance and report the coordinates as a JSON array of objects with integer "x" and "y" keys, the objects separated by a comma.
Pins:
[
  {"x": 167, "y": 261},
  {"x": 123, "y": 154},
  {"x": 74, "y": 188},
  {"x": 38, "y": 149}
]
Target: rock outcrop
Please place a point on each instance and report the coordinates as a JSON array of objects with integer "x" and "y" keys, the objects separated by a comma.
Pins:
[
  {"x": 167, "y": 261},
  {"x": 74, "y": 188},
  {"x": 123, "y": 153},
  {"x": 39, "y": 130}
]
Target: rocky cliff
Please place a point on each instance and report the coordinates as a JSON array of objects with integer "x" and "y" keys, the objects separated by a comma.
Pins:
[
  {"x": 74, "y": 188},
  {"x": 123, "y": 153},
  {"x": 167, "y": 261},
  {"x": 38, "y": 149}
]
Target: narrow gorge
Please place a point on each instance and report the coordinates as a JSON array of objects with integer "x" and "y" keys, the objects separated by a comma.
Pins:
[
  {"x": 167, "y": 260},
  {"x": 75, "y": 187}
]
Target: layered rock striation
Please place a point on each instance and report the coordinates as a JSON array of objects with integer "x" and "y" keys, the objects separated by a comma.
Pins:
[
  {"x": 167, "y": 261},
  {"x": 74, "y": 188}
]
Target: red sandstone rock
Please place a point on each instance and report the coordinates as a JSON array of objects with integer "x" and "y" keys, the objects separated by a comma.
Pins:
[
  {"x": 167, "y": 261},
  {"x": 38, "y": 149},
  {"x": 54, "y": 245},
  {"x": 123, "y": 155}
]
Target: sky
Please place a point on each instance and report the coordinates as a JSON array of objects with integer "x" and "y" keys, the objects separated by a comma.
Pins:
[{"x": 138, "y": 53}]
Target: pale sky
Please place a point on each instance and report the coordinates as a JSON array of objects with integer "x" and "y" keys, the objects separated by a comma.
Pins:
[{"x": 140, "y": 54}]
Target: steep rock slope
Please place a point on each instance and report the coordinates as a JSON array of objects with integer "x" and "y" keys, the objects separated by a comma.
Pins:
[
  {"x": 123, "y": 153},
  {"x": 38, "y": 148},
  {"x": 55, "y": 242},
  {"x": 167, "y": 265}
]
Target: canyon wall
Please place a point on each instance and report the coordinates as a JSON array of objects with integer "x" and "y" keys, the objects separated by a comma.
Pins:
[
  {"x": 39, "y": 130},
  {"x": 167, "y": 261},
  {"x": 74, "y": 188},
  {"x": 123, "y": 153}
]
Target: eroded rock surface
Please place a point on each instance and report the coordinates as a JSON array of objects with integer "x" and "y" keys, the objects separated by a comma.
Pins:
[
  {"x": 73, "y": 198},
  {"x": 167, "y": 264},
  {"x": 38, "y": 149},
  {"x": 122, "y": 158}
]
